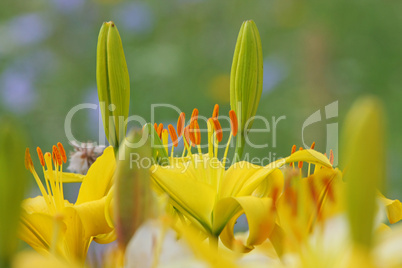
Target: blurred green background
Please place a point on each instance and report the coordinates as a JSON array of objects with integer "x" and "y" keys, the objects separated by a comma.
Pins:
[{"x": 180, "y": 52}]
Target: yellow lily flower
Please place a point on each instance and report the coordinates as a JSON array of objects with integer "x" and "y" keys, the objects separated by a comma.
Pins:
[
  {"x": 211, "y": 197},
  {"x": 51, "y": 224}
]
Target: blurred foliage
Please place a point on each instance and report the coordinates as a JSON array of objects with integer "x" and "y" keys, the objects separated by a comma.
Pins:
[{"x": 180, "y": 52}]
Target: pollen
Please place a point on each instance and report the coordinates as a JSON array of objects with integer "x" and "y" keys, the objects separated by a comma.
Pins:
[
  {"x": 218, "y": 129},
  {"x": 180, "y": 124},
  {"x": 197, "y": 133},
  {"x": 191, "y": 133},
  {"x": 28, "y": 160},
  {"x": 62, "y": 152},
  {"x": 40, "y": 155},
  {"x": 159, "y": 131},
  {"x": 173, "y": 135},
  {"x": 312, "y": 145},
  {"x": 194, "y": 115},
  {"x": 215, "y": 113},
  {"x": 233, "y": 122},
  {"x": 56, "y": 155}
]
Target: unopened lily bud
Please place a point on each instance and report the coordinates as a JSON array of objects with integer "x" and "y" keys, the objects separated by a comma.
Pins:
[
  {"x": 113, "y": 83},
  {"x": 246, "y": 79},
  {"x": 364, "y": 166},
  {"x": 13, "y": 179},
  {"x": 133, "y": 202}
]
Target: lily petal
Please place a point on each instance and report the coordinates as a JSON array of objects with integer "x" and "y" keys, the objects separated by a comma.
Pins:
[
  {"x": 393, "y": 208},
  {"x": 309, "y": 156},
  {"x": 260, "y": 218},
  {"x": 93, "y": 218},
  {"x": 190, "y": 197},
  {"x": 99, "y": 178}
]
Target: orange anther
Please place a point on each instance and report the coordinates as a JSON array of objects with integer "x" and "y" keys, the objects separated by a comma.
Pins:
[
  {"x": 173, "y": 135},
  {"x": 180, "y": 124},
  {"x": 215, "y": 113},
  {"x": 194, "y": 115},
  {"x": 300, "y": 165},
  {"x": 218, "y": 129},
  {"x": 156, "y": 127},
  {"x": 191, "y": 132},
  {"x": 62, "y": 152},
  {"x": 293, "y": 149},
  {"x": 56, "y": 155},
  {"x": 312, "y": 145},
  {"x": 233, "y": 122},
  {"x": 159, "y": 131},
  {"x": 197, "y": 132},
  {"x": 28, "y": 160},
  {"x": 40, "y": 155},
  {"x": 331, "y": 157}
]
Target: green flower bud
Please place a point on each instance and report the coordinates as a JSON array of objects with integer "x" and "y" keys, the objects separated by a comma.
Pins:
[
  {"x": 133, "y": 197},
  {"x": 13, "y": 180},
  {"x": 246, "y": 79},
  {"x": 113, "y": 83},
  {"x": 364, "y": 166}
]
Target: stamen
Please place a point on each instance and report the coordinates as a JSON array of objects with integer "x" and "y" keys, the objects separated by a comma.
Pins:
[
  {"x": 173, "y": 135},
  {"x": 40, "y": 155},
  {"x": 187, "y": 135},
  {"x": 165, "y": 139},
  {"x": 292, "y": 152},
  {"x": 62, "y": 152},
  {"x": 233, "y": 122},
  {"x": 210, "y": 137},
  {"x": 156, "y": 127},
  {"x": 309, "y": 164},
  {"x": 218, "y": 129},
  {"x": 215, "y": 113},
  {"x": 191, "y": 132},
  {"x": 197, "y": 133},
  {"x": 194, "y": 115},
  {"x": 160, "y": 128},
  {"x": 28, "y": 160},
  {"x": 180, "y": 124},
  {"x": 312, "y": 145},
  {"x": 300, "y": 165},
  {"x": 331, "y": 157},
  {"x": 56, "y": 155}
]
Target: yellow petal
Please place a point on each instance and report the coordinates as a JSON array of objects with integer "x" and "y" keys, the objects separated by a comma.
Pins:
[
  {"x": 191, "y": 197},
  {"x": 393, "y": 208},
  {"x": 93, "y": 217},
  {"x": 36, "y": 204},
  {"x": 309, "y": 156},
  {"x": 69, "y": 177},
  {"x": 260, "y": 218},
  {"x": 99, "y": 179},
  {"x": 36, "y": 230},
  {"x": 106, "y": 238},
  {"x": 236, "y": 176},
  {"x": 76, "y": 239}
]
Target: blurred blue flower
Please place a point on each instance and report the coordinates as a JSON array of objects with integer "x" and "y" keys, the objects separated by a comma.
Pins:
[
  {"x": 67, "y": 6},
  {"x": 137, "y": 17},
  {"x": 26, "y": 29},
  {"x": 17, "y": 91}
]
